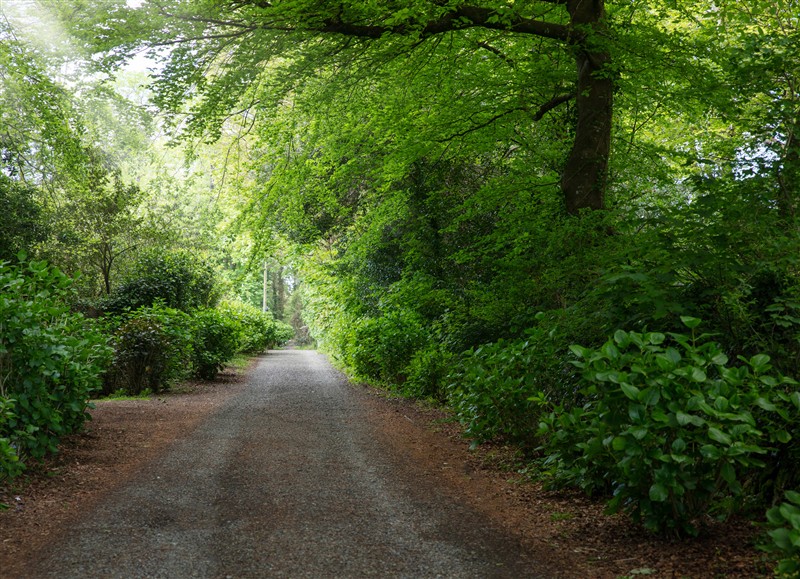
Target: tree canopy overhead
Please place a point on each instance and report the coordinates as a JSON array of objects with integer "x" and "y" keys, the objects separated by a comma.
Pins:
[
  {"x": 449, "y": 75},
  {"x": 546, "y": 54}
]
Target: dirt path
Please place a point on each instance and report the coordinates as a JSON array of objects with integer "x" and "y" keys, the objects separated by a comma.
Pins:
[
  {"x": 288, "y": 478},
  {"x": 294, "y": 472}
]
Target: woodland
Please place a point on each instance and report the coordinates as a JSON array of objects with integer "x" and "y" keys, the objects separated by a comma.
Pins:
[{"x": 573, "y": 223}]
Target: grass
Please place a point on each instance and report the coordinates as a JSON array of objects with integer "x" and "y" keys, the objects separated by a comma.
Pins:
[
  {"x": 122, "y": 395},
  {"x": 239, "y": 362}
]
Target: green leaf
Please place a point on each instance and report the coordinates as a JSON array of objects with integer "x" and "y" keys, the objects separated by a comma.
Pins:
[
  {"x": 690, "y": 322},
  {"x": 656, "y": 338},
  {"x": 698, "y": 375},
  {"x": 765, "y": 404},
  {"x": 728, "y": 473},
  {"x": 630, "y": 391},
  {"x": 659, "y": 493},
  {"x": 759, "y": 362},
  {"x": 650, "y": 396},
  {"x": 717, "y": 435},
  {"x": 673, "y": 355},
  {"x": 580, "y": 351},
  {"x": 610, "y": 351},
  {"x": 793, "y": 496},
  {"x": 635, "y": 411},
  {"x": 768, "y": 380},
  {"x": 664, "y": 363},
  {"x": 621, "y": 337},
  {"x": 710, "y": 452},
  {"x": 782, "y": 538},
  {"x": 720, "y": 359}
]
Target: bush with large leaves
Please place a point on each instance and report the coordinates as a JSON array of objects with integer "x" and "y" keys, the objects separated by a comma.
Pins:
[
  {"x": 669, "y": 427},
  {"x": 381, "y": 348},
  {"x": 259, "y": 330},
  {"x": 51, "y": 361},
  {"x": 494, "y": 389}
]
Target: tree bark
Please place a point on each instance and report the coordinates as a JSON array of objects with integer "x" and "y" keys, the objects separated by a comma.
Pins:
[
  {"x": 583, "y": 181},
  {"x": 789, "y": 176}
]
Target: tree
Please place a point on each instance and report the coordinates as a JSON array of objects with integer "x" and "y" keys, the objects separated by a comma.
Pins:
[
  {"x": 22, "y": 226},
  {"x": 39, "y": 128},
  {"x": 101, "y": 226},
  {"x": 219, "y": 49}
]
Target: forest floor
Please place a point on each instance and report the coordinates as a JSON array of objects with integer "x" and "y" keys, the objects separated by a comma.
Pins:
[{"x": 569, "y": 533}]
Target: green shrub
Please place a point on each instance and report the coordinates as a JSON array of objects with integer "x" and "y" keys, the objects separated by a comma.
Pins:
[
  {"x": 260, "y": 331},
  {"x": 427, "y": 373},
  {"x": 493, "y": 387},
  {"x": 10, "y": 464},
  {"x": 216, "y": 340},
  {"x": 178, "y": 280},
  {"x": 785, "y": 535},
  {"x": 669, "y": 427},
  {"x": 50, "y": 362},
  {"x": 257, "y": 327},
  {"x": 152, "y": 351},
  {"x": 22, "y": 225},
  {"x": 283, "y": 333},
  {"x": 381, "y": 348}
]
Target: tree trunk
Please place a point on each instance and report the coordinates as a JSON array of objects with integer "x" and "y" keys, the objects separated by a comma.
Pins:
[
  {"x": 789, "y": 176},
  {"x": 278, "y": 293},
  {"x": 583, "y": 182}
]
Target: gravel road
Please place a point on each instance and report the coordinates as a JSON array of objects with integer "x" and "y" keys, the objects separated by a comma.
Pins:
[{"x": 290, "y": 478}]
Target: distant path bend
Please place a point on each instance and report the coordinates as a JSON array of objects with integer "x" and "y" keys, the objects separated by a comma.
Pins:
[{"x": 287, "y": 479}]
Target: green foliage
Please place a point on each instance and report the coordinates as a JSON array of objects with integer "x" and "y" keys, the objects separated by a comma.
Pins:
[
  {"x": 50, "y": 363},
  {"x": 427, "y": 373},
  {"x": 259, "y": 331},
  {"x": 153, "y": 349},
  {"x": 216, "y": 339},
  {"x": 429, "y": 220},
  {"x": 496, "y": 388},
  {"x": 669, "y": 427},
  {"x": 10, "y": 464},
  {"x": 785, "y": 534},
  {"x": 42, "y": 130},
  {"x": 381, "y": 348},
  {"x": 22, "y": 225},
  {"x": 283, "y": 333},
  {"x": 177, "y": 279},
  {"x": 100, "y": 227}
]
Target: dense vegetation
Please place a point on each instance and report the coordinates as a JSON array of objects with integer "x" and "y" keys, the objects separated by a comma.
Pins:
[
  {"x": 111, "y": 272},
  {"x": 574, "y": 223}
]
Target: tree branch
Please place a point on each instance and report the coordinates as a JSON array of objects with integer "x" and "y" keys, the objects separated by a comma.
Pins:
[
  {"x": 482, "y": 125},
  {"x": 461, "y": 18},
  {"x": 551, "y": 104},
  {"x": 498, "y": 53}
]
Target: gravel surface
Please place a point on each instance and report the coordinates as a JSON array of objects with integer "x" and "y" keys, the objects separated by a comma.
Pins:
[{"x": 289, "y": 478}]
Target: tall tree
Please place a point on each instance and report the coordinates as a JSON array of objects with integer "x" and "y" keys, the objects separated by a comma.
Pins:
[{"x": 219, "y": 49}]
